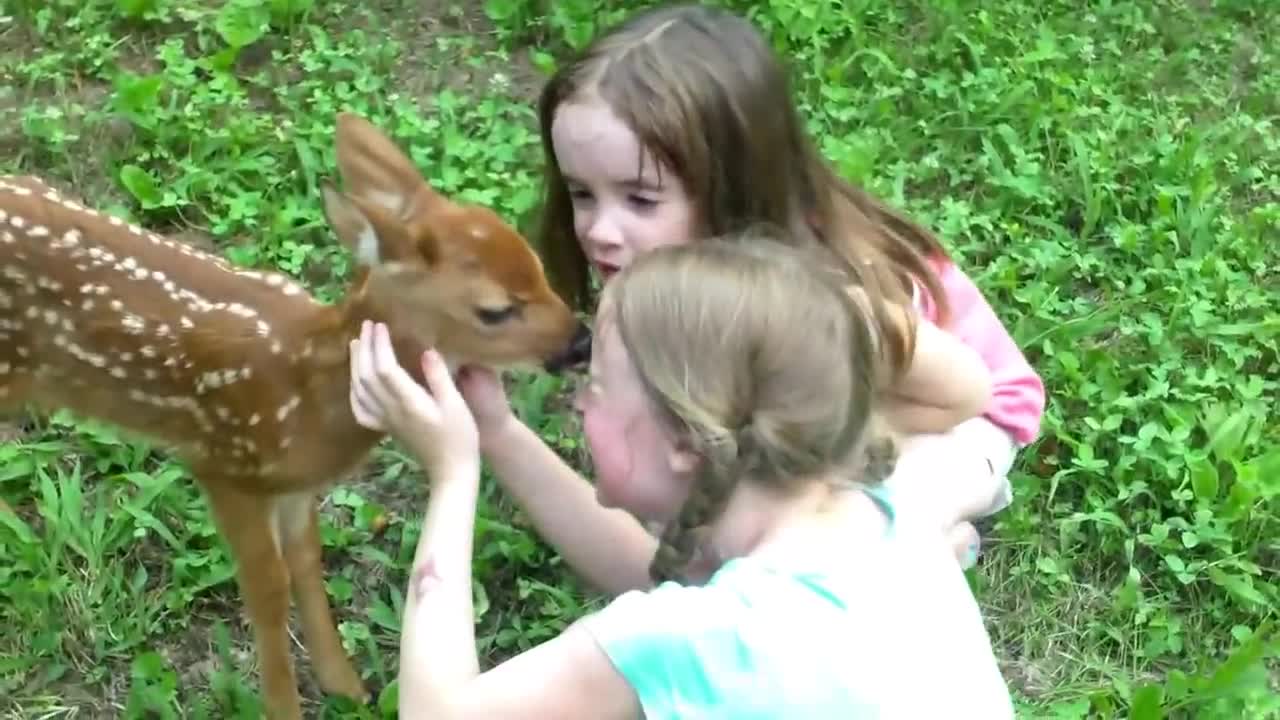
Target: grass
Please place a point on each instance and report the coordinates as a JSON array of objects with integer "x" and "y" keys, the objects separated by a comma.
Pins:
[{"x": 1109, "y": 174}]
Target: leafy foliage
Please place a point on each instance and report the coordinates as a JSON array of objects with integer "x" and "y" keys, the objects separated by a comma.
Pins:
[{"x": 1109, "y": 175}]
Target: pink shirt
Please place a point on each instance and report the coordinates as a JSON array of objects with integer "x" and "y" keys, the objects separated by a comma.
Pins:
[{"x": 1018, "y": 396}]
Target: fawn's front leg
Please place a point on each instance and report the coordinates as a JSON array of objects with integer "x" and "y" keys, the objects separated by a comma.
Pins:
[
  {"x": 245, "y": 521},
  {"x": 298, "y": 523}
]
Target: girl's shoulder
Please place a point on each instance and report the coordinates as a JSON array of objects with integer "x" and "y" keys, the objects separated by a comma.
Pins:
[
  {"x": 814, "y": 640},
  {"x": 740, "y": 645}
]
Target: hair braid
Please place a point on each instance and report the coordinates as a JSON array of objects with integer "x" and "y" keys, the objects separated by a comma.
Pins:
[{"x": 717, "y": 477}]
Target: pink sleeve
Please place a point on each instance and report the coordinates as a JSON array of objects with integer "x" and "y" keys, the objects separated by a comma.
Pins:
[{"x": 1018, "y": 395}]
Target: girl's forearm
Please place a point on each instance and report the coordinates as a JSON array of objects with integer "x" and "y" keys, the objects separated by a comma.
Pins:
[
  {"x": 910, "y": 417},
  {"x": 608, "y": 548},
  {"x": 438, "y": 645},
  {"x": 946, "y": 383}
]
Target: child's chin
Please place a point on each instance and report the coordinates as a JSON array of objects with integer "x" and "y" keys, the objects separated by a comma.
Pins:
[{"x": 645, "y": 515}]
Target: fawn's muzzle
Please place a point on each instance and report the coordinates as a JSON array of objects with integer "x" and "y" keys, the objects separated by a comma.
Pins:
[{"x": 578, "y": 352}]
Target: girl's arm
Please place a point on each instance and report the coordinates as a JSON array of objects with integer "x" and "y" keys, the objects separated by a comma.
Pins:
[
  {"x": 569, "y": 677},
  {"x": 610, "y": 549},
  {"x": 945, "y": 383},
  {"x": 438, "y": 643}
]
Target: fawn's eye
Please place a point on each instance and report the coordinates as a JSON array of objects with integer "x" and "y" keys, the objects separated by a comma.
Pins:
[{"x": 496, "y": 315}]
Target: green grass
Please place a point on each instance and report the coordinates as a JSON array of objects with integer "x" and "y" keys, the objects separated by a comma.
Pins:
[{"x": 1109, "y": 175}]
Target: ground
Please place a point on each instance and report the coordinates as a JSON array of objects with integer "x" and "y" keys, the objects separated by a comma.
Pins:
[{"x": 1109, "y": 176}]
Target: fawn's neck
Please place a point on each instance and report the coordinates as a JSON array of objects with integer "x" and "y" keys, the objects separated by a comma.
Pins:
[{"x": 327, "y": 371}]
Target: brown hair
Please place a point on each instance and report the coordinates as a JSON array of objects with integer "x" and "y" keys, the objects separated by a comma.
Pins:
[
  {"x": 704, "y": 92},
  {"x": 757, "y": 359}
]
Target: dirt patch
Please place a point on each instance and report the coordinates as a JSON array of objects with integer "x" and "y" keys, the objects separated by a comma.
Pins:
[{"x": 448, "y": 46}]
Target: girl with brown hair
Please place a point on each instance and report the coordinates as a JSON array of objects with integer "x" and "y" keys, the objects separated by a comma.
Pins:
[{"x": 677, "y": 125}]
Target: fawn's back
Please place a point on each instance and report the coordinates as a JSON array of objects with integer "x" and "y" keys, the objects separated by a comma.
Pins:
[
  {"x": 242, "y": 373},
  {"x": 124, "y": 325}
]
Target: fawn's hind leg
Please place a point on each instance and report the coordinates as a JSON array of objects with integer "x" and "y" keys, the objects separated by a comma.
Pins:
[
  {"x": 245, "y": 521},
  {"x": 14, "y": 385},
  {"x": 298, "y": 524}
]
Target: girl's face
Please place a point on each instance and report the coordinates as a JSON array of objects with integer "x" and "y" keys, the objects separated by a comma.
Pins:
[
  {"x": 637, "y": 464},
  {"x": 624, "y": 202}
]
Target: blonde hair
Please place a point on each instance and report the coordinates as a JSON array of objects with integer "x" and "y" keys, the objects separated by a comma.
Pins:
[
  {"x": 706, "y": 94},
  {"x": 758, "y": 359}
]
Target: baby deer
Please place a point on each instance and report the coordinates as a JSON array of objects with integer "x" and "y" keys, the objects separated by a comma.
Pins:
[{"x": 245, "y": 376}]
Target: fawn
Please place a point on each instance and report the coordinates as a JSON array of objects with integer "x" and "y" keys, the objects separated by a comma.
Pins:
[{"x": 245, "y": 376}]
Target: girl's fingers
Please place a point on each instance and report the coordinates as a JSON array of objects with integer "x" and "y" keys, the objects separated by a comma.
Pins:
[
  {"x": 363, "y": 376},
  {"x": 439, "y": 381},
  {"x": 366, "y": 410},
  {"x": 395, "y": 383},
  {"x": 378, "y": 367},
  {"x": 366, "y": 418}
]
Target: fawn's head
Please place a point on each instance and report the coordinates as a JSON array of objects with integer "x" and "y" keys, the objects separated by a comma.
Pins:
[{"x": 444, "y": 273}]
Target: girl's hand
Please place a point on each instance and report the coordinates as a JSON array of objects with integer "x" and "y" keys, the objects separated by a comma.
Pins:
[
  {"x": 436, "y": 425},
  {"x": 483, "y": 391}
]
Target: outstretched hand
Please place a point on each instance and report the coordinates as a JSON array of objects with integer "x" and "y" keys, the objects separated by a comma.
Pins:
[{"x": 434, "y": 422}]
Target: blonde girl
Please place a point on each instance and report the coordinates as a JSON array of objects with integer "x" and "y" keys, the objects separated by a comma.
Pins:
[
  {"x": 679, "y": 124},
  {"x": 730, "y": 405}
]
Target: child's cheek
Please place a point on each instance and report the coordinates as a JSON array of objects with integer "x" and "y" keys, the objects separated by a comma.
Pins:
[{"x": 609, "y": 456}]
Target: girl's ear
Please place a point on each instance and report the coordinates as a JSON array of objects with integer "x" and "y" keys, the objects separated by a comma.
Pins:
[{"x": 682, "y": 461}]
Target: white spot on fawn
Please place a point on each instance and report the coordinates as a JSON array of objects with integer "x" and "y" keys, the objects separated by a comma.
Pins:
[
  {"x": 283, "y": 411},
  {"x": 133, "y": 324}
]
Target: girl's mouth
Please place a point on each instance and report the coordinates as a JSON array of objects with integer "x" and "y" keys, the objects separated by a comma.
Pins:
[{"x": 606, "y": 270}]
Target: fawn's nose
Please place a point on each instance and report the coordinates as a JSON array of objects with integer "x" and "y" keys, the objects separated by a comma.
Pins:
[{"x": 578, "y": 351}]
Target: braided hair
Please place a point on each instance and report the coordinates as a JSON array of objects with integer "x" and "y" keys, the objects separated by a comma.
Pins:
[{"x": 756, "y": 356}]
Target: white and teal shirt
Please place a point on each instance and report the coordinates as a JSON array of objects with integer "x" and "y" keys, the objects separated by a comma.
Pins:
[{"x": 891, "y": 633}]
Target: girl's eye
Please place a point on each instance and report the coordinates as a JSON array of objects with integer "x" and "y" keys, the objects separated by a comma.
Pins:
[
  {"x": 641, "y": 201},
  {"x": 579, "y": 194}
]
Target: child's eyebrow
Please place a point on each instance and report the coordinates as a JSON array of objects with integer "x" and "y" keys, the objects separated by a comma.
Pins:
[
  {"x": 634, "y": 183},
  {"x": 641, "y": 184}
]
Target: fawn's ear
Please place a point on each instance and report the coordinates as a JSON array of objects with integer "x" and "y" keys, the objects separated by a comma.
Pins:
[
  {"x": 373, "y": 168},
  {"x": 371, "y": 236}
]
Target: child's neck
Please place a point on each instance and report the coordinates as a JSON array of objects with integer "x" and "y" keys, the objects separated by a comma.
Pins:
[{"x": 823, "y": 518}]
